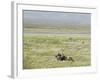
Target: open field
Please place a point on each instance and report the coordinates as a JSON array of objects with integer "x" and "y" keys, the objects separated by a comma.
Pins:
[
  {"x": 47, "y": 33},
  {"x": 40, "y": 50}
]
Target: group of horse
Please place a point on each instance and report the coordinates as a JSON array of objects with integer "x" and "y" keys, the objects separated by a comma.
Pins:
[{"x": 62, "y": 57}]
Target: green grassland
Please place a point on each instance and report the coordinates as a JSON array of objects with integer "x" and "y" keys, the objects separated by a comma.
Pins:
[{"x": 39, "y": 50}]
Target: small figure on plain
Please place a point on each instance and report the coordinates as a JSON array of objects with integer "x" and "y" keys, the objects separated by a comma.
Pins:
[
  {"x": 70, "y": 58},
  {"x": 58, "y": 54},
  {"x": 60, "y": 57},
  {"x": 63, "y": 57}
]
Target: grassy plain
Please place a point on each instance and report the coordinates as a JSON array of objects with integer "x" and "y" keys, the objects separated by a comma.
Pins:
[{"x": 40, "y": 50}]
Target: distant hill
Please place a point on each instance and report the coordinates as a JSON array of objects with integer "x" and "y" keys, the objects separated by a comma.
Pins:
[{"x": 86, "y": 29}]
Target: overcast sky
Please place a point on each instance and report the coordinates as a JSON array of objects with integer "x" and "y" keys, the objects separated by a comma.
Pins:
[{"x": 55, "y": 18}]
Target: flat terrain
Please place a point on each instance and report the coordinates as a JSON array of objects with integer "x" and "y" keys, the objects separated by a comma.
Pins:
[
  {"x": 47, "y": 33},
  {"x": 40, "y": 50}
]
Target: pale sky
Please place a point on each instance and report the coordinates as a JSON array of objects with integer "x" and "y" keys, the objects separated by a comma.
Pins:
[{"x": 56, "y": 18}]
